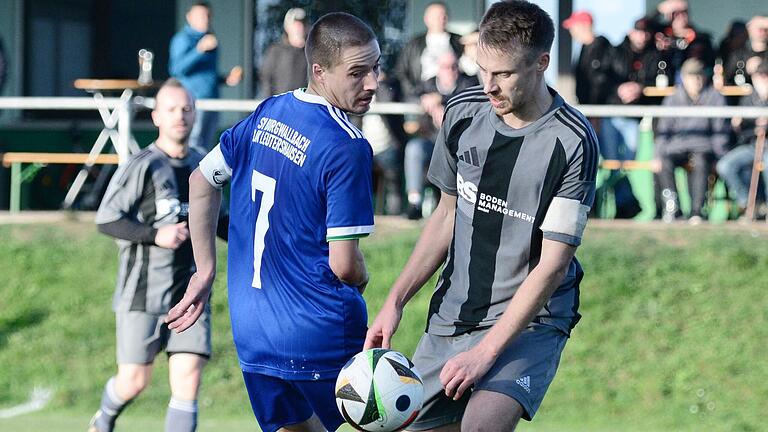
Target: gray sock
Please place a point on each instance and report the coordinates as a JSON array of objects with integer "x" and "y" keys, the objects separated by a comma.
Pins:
[
  {"x": 111, "y": 407},
  {"x": 181, "y": 416}
]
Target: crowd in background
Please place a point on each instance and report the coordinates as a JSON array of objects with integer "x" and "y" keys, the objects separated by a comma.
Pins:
[{"x": 668, "y": 51}]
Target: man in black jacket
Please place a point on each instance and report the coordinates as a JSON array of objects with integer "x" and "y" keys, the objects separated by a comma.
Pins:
[
  {"x": 418, "y": 61},
  {"x": 285, "y": 66},
  {"x": 592, "y": 71}
]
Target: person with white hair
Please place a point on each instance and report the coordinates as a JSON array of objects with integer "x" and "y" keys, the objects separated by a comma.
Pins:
[{"x": 285, "y": 66}]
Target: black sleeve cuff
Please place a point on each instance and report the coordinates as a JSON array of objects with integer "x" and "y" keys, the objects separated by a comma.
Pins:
[{"x": 129, "y": 230}]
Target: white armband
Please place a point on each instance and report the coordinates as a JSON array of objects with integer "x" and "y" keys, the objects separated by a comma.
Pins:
[
  {"x": 215, "y": 169},
  {"x": 566, "y": 218}
]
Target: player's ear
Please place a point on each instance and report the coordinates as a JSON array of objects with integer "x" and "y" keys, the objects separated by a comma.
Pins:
[
  {"x": 318, "y": 73},
  {"x": 154, "y": 114},
  {"x": 542, "y": 62}
]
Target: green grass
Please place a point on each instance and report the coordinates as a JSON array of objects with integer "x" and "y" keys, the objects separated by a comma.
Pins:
[{"x": 673, "y": 336}]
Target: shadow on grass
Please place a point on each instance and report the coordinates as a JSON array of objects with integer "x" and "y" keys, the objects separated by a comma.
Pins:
[{"x": 22, "y": 320}]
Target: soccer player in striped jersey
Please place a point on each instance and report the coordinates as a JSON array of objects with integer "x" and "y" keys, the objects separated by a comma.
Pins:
[
  {"x": 145, "y": 210},
  {"x": 301, "y": 198},
  {"x": 516, "y": 166}
]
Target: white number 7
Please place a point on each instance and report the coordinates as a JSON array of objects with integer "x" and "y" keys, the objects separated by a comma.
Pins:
[{"x": 266, "y": 185}]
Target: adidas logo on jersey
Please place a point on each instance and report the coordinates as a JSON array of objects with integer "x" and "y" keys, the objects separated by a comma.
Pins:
[
  {"x": 470, "y": 156},
  {"x": 525, "y": 383}
]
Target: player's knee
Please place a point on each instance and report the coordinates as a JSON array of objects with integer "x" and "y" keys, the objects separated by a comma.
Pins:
[{"x": 133, "y": 382}]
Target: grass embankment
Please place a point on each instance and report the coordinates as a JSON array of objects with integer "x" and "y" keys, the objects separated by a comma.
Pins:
[{"x": 673, "y": 335}]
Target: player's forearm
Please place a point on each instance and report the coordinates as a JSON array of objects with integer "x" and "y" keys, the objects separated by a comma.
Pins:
[
  {"x": 529, "y": 299},
  {"x": 429, "y": 253},
  {"x": 204, "y": 203}
]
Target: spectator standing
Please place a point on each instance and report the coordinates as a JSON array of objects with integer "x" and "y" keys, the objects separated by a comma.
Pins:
[
  {"x": 736, "y": 165},
  {"x": 285, "y": 65},
  {"x": 387, "y": 137},
  {"x": 691, "y": 141},
  {"x": 592, "y": 70},
  {"x": 728, "y": 66},
  {"x": 145, "y": 209},
  {"x": 434, "y": 96},
  {"x": 194, "y": 60},
  {"x": 743, "y": 62},
  {"x": 680, "y": 38},
  {"x": 468, "y": 59},
  {"x": 418, "y": 60}
]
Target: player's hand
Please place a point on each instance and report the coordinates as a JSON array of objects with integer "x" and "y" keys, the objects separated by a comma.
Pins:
[
  {"x": 188, "y": 310},
  {"x": 172, "y": 236},
  {"x": 235, "y": 76},
  {"x": 463, "y": 370},
  {"x": 207, "y": 43},
  {"x": 384, "y": 326}
]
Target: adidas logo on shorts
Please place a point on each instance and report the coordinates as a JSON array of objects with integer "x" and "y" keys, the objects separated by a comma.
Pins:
[{"x": 525, "y": 383}]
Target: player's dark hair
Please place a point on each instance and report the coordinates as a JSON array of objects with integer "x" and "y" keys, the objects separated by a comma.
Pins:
[
  {"x": 333, "y": 32},
  {"x": 517, "y": 25}
]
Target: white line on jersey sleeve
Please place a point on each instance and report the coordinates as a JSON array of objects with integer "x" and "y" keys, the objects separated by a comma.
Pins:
[
  {"x": 215, "y": 169},
  {"x": 567, "y": 217},
  {"x": 341, "y": 233},
  {"x": 341, "y": 122}
]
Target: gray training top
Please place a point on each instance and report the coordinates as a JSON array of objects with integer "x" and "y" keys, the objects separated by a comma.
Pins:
[
  {"x": 151, "y": 189},
  {"x": 513, "y": 187}
]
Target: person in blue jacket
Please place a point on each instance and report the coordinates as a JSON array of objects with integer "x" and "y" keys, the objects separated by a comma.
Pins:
[{"x": 194, "y": 61}]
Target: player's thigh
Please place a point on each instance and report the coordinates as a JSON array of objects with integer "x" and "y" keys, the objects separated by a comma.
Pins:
[
  {"x": 194, "y": 340},
  {"x": 184, "y": 373},
  {"x": 491, "y": 411},
  {"x": 526, "y": 368},
  {"x": 438, "y": 410},
  {"x": 277, "y": 403},
  {"x": 139, "y": 337}
]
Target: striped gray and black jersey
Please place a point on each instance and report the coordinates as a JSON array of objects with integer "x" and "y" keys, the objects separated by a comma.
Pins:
[
  {"x": 151, "y": 189},
  {"x": 514, "y": 187}
]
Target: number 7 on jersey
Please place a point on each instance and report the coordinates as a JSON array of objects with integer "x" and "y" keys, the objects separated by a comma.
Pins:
[{"x": 265, "y": 185}]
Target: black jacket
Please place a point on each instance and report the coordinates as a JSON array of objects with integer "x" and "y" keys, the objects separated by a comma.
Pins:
[
  {"x": 284, "y": 69},
  {"x": 408, "y": 68},
  {"x": 640, "y": 67},
  {"x": 593, "y": 72}
]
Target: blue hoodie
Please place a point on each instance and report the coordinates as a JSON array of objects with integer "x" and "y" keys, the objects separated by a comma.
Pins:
[{"x": 197, "y": 71}]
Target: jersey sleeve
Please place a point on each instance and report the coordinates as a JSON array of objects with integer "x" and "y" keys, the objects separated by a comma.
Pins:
[
  {"x": 349, "y": 191},
  {"x": 218, "y": 164},
  {"x": 442, "y": 167},
  {"x": 566, "y": 216},
  {"x": 121, "y": 200}
]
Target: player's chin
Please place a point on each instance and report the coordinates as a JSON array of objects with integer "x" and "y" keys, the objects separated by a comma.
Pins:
[{"x": 361, "y": 106}]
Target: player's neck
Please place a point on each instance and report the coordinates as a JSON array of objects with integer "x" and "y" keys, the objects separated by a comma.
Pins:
[
  {"x": 318, "y": 90},
  {"x": 532, "y": 111},
  {"x": 176, "y": 150}
]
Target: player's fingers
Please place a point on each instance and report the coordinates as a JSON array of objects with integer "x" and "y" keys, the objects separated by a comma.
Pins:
[
  {"x": 453, "y": 384},
  {"x": 385, "y": 339},
  {"x": 465, "y": 384}
]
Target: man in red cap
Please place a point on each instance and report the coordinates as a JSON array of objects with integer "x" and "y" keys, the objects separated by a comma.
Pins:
[{"x": 592, "y": 71}]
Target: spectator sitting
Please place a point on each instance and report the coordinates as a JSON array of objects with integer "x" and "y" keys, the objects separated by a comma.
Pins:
[
  {"x": 387, "y": 137},
  {"x": 435, "y": 93},
  {"x": 418, "y": 61},
  {"x": 194, "y": 60},
  {"x": 285, "y": 65},
  {"x": 736, "y": 165},
  {"x": 689, "y": 140}
]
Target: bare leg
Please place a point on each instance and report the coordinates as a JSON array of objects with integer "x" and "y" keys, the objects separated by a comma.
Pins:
[{"x": 491, "y": 411}]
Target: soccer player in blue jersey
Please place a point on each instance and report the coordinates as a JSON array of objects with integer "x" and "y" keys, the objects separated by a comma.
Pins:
[{"x": 301, "y": 198}]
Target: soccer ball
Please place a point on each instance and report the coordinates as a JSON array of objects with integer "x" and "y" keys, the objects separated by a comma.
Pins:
[{"x": 379, "y": 390}]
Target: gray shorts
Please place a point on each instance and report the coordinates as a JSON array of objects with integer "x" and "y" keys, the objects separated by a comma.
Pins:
[
  {"x": 141, "y": 336},
  {"x": 523, "y": 372}
]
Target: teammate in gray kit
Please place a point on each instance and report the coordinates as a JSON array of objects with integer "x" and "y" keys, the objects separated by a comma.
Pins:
[
  {"x": 145, "y": 209},
  {"x": 516, "y": 166}
]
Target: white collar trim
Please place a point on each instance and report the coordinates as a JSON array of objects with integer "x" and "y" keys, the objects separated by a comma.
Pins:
[{"x": 302, "y": 95}]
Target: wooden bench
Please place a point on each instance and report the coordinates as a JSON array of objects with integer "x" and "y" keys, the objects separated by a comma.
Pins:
[{"x": 14, "y": 160}]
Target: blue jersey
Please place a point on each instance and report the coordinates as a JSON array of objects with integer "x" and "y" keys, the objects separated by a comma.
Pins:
[{"x": 301, "y": 176}]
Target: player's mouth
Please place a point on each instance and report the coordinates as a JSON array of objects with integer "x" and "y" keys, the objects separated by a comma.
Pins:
[{"x": 497, "y": 103}]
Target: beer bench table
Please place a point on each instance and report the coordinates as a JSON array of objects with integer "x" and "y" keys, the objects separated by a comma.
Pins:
[{"x": 14, "y": 160}]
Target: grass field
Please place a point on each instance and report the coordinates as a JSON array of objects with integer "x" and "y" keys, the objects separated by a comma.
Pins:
[{"x": 673, "y": 336}]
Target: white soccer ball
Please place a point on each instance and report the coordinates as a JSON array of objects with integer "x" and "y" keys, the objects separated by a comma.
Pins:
[{"x": 379, "y": 390}]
